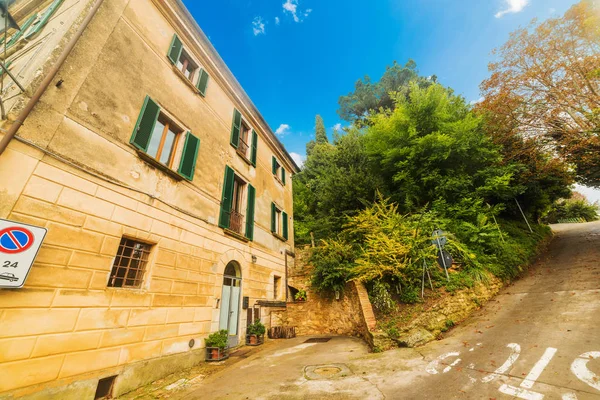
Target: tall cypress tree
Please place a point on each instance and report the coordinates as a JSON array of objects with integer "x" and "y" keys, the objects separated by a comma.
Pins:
[{"x": 321, "y": 133}]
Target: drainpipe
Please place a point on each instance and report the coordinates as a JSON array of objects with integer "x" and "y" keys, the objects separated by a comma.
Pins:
[{"x": 12, "y": 131}]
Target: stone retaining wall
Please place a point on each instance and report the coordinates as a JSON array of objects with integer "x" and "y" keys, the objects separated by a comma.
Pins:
[{"x": 351, "y": 315}]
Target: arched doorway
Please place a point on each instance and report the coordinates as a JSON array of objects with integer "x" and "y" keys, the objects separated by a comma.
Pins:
[{"x": 230, "y": 301}]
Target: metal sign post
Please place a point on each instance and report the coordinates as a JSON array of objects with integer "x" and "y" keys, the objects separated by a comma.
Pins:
[
  {"x": 523, "y": 214},
  {"x": 425, "y": 270},
  {"x": 19, "y": 245}
]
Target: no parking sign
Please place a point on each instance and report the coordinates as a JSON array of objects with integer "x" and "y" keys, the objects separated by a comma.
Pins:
[{"x": 19, "y": 245}]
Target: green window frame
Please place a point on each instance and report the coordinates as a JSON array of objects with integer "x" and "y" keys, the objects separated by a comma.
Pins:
[
  {"x": 280, "y": 230},
  {"x": 144, "y": 129},
  {"x": 254, "y": 151},
  {"x": 43, "y": 20},
  {"x": 226, "y": 198},
  {"x": 202, "y": 84}
]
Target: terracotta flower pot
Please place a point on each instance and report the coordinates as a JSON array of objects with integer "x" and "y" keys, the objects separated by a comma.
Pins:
[
  {"x": 253, "y": 339},
  {"x": 214, "y": 354}
]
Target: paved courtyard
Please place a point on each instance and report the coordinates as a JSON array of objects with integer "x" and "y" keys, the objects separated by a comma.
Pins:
[{"x": 539, "y": 338}]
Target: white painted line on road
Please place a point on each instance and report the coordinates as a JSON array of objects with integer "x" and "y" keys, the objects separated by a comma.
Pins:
[
  {"x": 569, "y": 396},
  {"x": 432, "y": 367},
  {"x": 538, "y": 368},
  {"x": 449, "y": 367},
  {"x": 514, "y": 355},
  {"x": 581, "y": 371},
  {"x": 520, "y": 393}
]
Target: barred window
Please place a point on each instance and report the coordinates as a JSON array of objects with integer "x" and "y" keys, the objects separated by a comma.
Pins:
[{"x": 130, "y": 264}]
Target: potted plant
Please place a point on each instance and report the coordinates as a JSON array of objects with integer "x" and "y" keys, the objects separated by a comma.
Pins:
[
  {"x": 255, "y": 333},
  {"x": 301, "y": 295},
  {"x": 216, "y": 346}
]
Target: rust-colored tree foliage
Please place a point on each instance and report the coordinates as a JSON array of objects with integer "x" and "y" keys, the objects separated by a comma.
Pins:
[{"x": 545, "y": 90}]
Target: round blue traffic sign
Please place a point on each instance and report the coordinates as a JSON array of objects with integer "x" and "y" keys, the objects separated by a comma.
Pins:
[{"x": 15, "y": 240}]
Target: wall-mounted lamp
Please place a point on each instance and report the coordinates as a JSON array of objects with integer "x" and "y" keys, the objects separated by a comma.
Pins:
[{"x": 254, "y": 259}]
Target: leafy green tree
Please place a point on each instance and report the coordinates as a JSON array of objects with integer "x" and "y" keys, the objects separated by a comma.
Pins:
[
  {"x": 433, "y": 147},
  {"x": 320, "y": 132},
  {"x": 369, "y": 97},
  {"x": 336, "y": 180}
]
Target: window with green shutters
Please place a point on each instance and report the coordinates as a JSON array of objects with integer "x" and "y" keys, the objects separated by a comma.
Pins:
[
  {"x": 279, "y": 222},
  {"x": 185, "y": 64},
  {"x": 244, "y": 139},
  {"x": 278, "y": 170},
  {"x": 164, "y": 141},
  {"x": 238, "y": 198}
]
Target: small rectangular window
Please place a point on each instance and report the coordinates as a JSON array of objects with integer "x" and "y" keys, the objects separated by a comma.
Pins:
[
  {"x": 130, "y": 264},
  {"x": 164, "y": 141},
  {"x": 278, "y": 171},
  {"x": 276, "y": 287},
  {"x": 243, "y": 148},
  {"x": 105, "y": 388},
  {"x": 186, "y": 65},
  {"x": 279, "y": 222}
]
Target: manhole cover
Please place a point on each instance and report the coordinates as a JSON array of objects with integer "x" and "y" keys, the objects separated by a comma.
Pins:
[
  {"x": 318, "y": 340},
  {"x": 326, "y": 371}
]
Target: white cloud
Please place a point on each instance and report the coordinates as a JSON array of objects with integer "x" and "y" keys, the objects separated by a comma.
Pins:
[
  {"x": 514, "y": 6},
  {"x": 291, "y": 7},
  {"x": 282, "y": 130},
  {"x": 473, "y": 102},
  {"x": 277, "y": 21},
  {"x": 258, "y": 26},
  {"x": 298, "y": 159},
  {"x": 337, "y": 127}
]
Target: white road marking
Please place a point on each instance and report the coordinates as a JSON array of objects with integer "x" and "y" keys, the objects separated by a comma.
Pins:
[
  {"x": 538, "y": 368},
  {"x": 514, "y": 355},
  {"x": 569, "y": 396},
  {"x": 520, "y": 393},
  {"x": 449, "y": 367},
  {"x": 581, "y": 371},
  {"x": 432, "y": 367}
]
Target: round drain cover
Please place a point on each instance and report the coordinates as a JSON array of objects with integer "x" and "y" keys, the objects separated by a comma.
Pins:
[{"x": 326, "y": 371}]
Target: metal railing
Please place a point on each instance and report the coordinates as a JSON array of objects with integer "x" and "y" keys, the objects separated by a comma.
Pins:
[
  {"x": 243, "y": 148},
  {"x": 236, "y": 222}
]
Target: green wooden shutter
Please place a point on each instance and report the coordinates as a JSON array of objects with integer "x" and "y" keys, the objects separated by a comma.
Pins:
[
  {"x": 175, "y": 49},
  {"x": 273, "y": 219},
  {"x": 235, "y": 128},
  {"x": 274, "y": 165},
  {"x": 254, "y": 148},
  {"x": 187, "y": 166},
  {"x": 283, "y": 175},
  {"x": 250, "y": 212},
  {"x": 43, "y": 20},
  {"x": 20, "y": 32},
  {"x": 145, "y": 124},
  {"x": 227, "y": 199},
  {"x": 202, "y": 81},
  {"x": 284, "y": 228}
]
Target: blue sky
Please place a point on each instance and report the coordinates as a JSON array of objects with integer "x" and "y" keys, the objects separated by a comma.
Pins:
[{"x": 296, "y": 57}]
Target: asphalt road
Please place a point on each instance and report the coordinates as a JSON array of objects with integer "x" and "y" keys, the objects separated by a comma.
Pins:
[{"x": 539, "y": 338}]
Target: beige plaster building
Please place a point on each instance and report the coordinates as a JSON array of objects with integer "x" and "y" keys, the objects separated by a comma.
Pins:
[{"x": 166, "y": 196}]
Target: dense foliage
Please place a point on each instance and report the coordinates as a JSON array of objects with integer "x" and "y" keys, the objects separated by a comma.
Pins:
[
  {"x": 417, "y": 158},
  {"x": 577, "y": 208},
  {"x": 546, "y": 85}
]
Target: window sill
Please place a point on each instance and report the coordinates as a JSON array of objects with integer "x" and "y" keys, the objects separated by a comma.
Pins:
[
  {"x": 243, "y": 157},
  {"x": 278, "y": 179},
  {"x": 186, "y": 80},
  {"x": 278, "y": 236},
  {"x": 236, "y": 235},
  {"x": 158, "y": 165}
]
